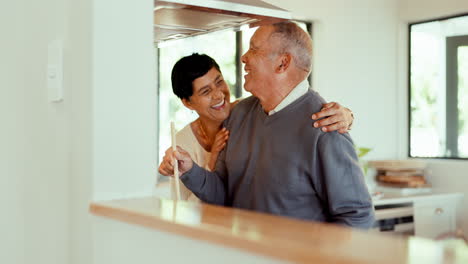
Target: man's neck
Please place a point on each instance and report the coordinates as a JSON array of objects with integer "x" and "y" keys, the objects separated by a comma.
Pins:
[
  {"x": 277, "y": 94},
  {"x": 274, "y": 98}
]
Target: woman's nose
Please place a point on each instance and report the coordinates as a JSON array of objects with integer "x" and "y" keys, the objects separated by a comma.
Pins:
[{"x": 218, "y": 94}]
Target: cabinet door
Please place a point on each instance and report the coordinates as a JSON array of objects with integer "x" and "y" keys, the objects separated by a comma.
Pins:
[{"x": 433, "y": 219}]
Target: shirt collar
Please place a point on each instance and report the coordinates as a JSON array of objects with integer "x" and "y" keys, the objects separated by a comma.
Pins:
[{"x": 295, "y": 93}]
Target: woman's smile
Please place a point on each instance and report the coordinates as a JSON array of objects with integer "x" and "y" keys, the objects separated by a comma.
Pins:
[{"x": 219, "y": 106}]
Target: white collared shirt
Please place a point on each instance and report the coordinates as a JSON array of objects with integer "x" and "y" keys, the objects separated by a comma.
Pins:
[{"x": 295, "y": 93}]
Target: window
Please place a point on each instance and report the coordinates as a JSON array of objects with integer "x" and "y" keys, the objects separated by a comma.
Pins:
[
  {"x": 438, "y": 88},
  {"x": 226, "y": 47}
]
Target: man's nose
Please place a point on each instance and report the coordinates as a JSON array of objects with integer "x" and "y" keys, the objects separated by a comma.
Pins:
[{"x": 243, "y": 58}]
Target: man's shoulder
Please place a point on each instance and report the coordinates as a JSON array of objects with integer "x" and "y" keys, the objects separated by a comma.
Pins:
[
  {"x": 245, "y": 103},
  {"x": 244, "y": 106},
  {"x": 309, "y": 103},
  {"x": 315, "y": 101},
  {"x": 314, "y": 98}
]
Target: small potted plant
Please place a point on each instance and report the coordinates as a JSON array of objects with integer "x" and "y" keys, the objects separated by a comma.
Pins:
[{"x": 361, "y": 152}]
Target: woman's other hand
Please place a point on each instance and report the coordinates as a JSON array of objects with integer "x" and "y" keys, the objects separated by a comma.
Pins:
[
  {"x": 219, "y": 143},
  {"x": 220, "y": 140}
]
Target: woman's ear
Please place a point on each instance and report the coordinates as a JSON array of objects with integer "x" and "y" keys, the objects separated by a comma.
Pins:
[
  {"x": 284, "y": 63},
  {"x": 187, "y": 103}
]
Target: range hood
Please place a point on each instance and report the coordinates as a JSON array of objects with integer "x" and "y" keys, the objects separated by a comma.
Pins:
[{"x": 176, "y": 19}]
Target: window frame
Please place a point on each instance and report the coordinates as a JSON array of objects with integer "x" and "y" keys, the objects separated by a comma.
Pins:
[{"x": 449, "y": 97}]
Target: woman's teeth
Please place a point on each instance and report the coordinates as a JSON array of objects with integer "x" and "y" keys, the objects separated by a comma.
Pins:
[{"x": 218, "y": 105}]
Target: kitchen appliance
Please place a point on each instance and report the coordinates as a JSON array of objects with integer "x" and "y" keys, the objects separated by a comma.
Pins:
[
  {"x": 396, "y": 219},
  {"x": 176, "y": 19}
]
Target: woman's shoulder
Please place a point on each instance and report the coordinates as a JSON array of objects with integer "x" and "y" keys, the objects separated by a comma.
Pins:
[
  {"x": 185, "y": 137},
  {"x": 185, "y": 131}
]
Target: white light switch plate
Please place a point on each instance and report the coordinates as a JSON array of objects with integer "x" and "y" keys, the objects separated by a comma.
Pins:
[{"x": 55, "y": 71}]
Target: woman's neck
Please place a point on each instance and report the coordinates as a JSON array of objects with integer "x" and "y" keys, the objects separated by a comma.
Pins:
[{"x": 205, "y": 131}]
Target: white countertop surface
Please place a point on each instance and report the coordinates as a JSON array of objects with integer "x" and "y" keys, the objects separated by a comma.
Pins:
[{"x": 394, "y": 197}]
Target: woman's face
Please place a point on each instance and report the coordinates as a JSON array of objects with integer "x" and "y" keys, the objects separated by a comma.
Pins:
[{"x": 211, "y": 98}]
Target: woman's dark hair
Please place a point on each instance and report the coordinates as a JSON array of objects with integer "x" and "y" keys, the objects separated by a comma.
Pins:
[{"x": 187, "y": 69}]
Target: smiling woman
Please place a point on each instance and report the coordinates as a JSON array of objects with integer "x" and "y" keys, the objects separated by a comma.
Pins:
[
  {"x": 197, "y": 80},
  {"x": 170, "y": 106}
]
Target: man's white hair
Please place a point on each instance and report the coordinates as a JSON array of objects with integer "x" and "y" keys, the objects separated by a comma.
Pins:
[{"x": 293, "y": 40}]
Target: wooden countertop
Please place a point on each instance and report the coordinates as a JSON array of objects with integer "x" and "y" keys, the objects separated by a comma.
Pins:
[{"x": 278, "y": 237}]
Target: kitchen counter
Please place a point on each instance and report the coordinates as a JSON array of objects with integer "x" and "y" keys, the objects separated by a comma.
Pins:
[
  {"x": 280, "y": 238},
  {"x": 394, "y": 197}
]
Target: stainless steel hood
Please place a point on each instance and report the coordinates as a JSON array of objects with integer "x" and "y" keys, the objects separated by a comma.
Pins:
[{"x": 176, "y": 19}]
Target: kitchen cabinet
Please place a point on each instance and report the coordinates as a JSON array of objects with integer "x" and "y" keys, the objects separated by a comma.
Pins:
[
  {"x": 426, "y": 215},
  {"x": 434, "y": 217}
]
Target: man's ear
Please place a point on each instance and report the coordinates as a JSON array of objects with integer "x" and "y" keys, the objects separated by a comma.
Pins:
[
  {"x": 284, "y": 63},
  {"x": 187, "y": 103}
]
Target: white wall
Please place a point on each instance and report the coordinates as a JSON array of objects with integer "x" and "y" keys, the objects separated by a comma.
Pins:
[
  {"x": 35, "y": 168},
  {"x": 122, "y": 243},
  {"x": 113, "y": 112},
  {"x": 99, "y": 142},
  {"x": 447, "y": 175},
  {"x": 354, "y": 63},
  {"x": 124, "y": 99},
  {"x": 12, "y": 134},
  {"x": 78, "y": 83}
]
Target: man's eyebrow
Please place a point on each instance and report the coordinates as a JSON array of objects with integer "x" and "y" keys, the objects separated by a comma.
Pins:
[{"x": 218, "y": 77}]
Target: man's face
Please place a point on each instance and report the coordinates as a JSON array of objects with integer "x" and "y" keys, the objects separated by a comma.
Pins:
[
  {"x": 210, "y": 99},
  {"x": 259, "y": 65}
]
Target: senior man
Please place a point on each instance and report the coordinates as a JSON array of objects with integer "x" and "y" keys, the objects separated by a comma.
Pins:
[{"x": 274, "y": 160}]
